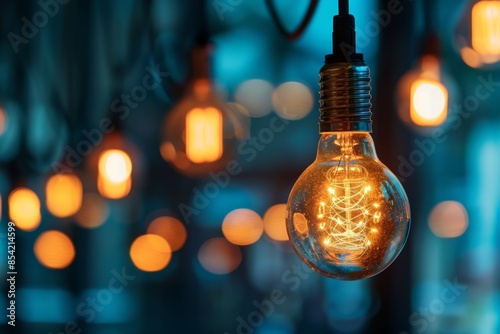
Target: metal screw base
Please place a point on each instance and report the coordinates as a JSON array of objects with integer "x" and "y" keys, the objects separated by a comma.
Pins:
[{"x": 345, "y": 98}]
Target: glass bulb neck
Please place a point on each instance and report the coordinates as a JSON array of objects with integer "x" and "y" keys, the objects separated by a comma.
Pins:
[
  {"x": 345, "y": 99},
  {"x": 346, "y": 146}
]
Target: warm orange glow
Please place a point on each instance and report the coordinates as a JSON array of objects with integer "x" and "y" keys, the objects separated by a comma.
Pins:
[
  {"x": 219, "y": 257},
  {"x": 115, "y": 166},
  {"x": 64, "y": 195},
  {"x": 471, "y": 57},
  {"x": 486, "y": 28},
  {"x": 113, "y": 190},
  {"x": 93, "y": 213},
  {"x": 2, "y": 121},
  {"x": 24, "y": 209},
  {"x": 242, "y": 227},
  {"x": 167, "y": 151},
  {"x": 274, "y": 222},
  {"x": 170, "y": 229},
  {"x": 54, "y": 249},
  {"x": 150, "y": 253},
  {"x": 429, "y": 102},
  {"x": 204, "y": 135},
  {"x": 448, "y": 219},
  {"x": 114, "y": 180}
]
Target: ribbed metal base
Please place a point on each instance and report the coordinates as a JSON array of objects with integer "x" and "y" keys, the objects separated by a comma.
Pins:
[{"x": 345, "y": 98}]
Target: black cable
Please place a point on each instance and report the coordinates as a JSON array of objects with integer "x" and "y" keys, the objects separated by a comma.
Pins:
[
  {"x": 294, "y": 35},
  {"x": 343, "y": 7},
  {"x": 203, "y": 35}
]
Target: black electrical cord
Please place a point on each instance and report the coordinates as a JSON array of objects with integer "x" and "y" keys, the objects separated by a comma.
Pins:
[
  {"x": 343, "y": 7},
  {"x": 294, "y": 35}
]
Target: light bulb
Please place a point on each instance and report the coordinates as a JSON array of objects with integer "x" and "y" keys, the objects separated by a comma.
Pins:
[
  {"x": 200, "y": 133},
  {"x": 348, "y": 216},
  {"x": 424, "y": 93},
  {"x": 114, "y": 174},
  {"x": 477, "y": 33}
]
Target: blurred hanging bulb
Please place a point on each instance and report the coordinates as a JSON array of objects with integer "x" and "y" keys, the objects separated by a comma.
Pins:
[
  {"x": 429, "y": 102},
  {"x": 200, "y": 133},
  {"x": 424, "y": 92},
  {"x": 204, "y": 135},
  {"x": 348, "y": 216},
  {"x": 114, "y": 174},
  {"x": 63, "y": 194},
  {"x": 486, "y": 28},
  {"x": 477, "y": 33}
]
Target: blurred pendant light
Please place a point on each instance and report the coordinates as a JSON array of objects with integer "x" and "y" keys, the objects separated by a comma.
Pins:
[
  {"x": 477, "y": 33},
  {"x": 422, "y": 94},
  {"x": 64, "y": 194},
  {"x": 114, "y": 164},
  {"x": 114, "y": 178},
  {"x": 200, "y": 133}
]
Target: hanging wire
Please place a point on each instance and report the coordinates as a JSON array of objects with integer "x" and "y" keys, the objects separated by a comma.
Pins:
[{"x": 294, "y": 35}]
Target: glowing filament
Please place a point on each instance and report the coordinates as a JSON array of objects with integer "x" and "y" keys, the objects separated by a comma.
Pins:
[
  {"x": 429, "y": 102},
  {"x": 204, "y": 135},
  {"x": 347, "y": 213},
  {"x": 486, "y": 28}
]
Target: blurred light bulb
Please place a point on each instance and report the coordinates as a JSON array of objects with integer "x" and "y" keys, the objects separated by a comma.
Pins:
[
  {"x": 114, "y": 178},
  {"x": 348, "y": 216},
  {"x": 429, "y": 102},
  {"x": 200, "y": 133},
  {"x": 477, "y": 33},
  {"x": 422, "y": 94},
  {"x": 486, "y": 28},
  {"x": 204, "y": 135},
  {"x": 64, "y": 194}
]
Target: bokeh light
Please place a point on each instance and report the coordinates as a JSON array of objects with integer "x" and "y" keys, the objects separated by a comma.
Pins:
[
  {"x": 218, "y": 256},
  {"x": 471, "y": 57},
  {"x": 170, "y": 229},
  {"x": 293, "y": 100},
  {"x": 54, "y": 249},
  {"x": 448, "y": 219},
  {"x": 242, "y": 227},
  {"x": 256, "y": 97},
  {"x": 24, "y": 209},
  {"x": 429, "y": 102},
  {"x": 150, "y": 252},
  {"x": 115, "y": 168},
  {"x": 167, "y": 151},
  {"x": 93, "y": 212},
  {"x": 274, "y": 222},
  {"x": 64, "y": 195}
]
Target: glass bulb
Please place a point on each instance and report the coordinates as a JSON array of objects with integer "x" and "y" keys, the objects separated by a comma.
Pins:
[
  {"x": 200, "y": 133},
  {"x": 348, "y": 216}
]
